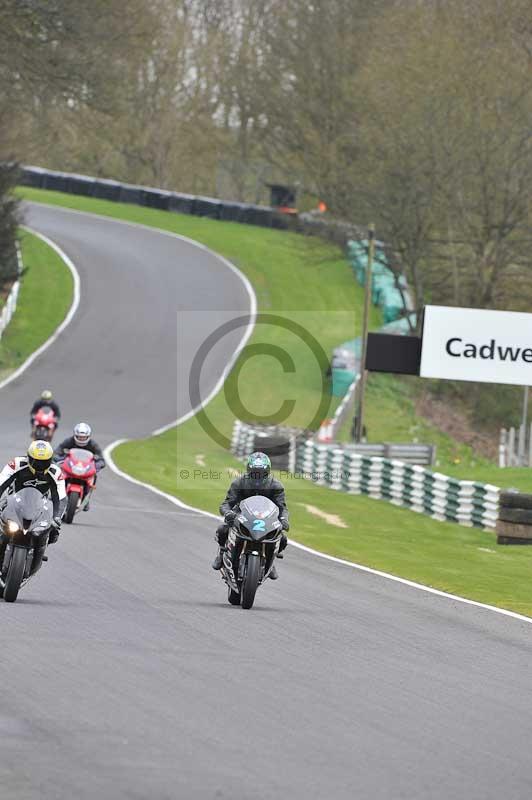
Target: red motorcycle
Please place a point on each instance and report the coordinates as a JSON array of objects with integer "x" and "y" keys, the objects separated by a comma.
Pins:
[
  {"x": 79, "y": 471},
  {"x": 44, "y": 424}
]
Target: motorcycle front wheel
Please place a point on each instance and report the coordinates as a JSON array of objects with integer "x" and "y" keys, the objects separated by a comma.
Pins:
[
  {"x": 72, "y": 504},
  {"x": 15, "y": 574},
  {"x": 251, "y": 580}
]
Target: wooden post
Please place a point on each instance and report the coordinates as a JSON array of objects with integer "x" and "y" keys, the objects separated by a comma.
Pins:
[{"x": 359, "y": 418}]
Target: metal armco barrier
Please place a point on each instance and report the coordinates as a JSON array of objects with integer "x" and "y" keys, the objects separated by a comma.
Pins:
[{"x": 407, "y": 485}]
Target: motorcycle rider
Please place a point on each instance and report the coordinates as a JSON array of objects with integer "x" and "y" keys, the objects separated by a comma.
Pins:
[
  {"x": 46, "y": 399},
  {"x": 81, "y": 437},
  {"x": 37, "y": 471},
  {"x": 256, "y": 481}
]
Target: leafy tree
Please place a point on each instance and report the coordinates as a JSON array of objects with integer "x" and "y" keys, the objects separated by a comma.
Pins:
[
  {"x": 446, "y": 162},
  {"x": 8, "y": 224}
]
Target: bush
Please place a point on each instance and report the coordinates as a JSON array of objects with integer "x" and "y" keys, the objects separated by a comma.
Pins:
[
  {"x": 8, "y": 223},
  {"x": 491, "y": 406}
]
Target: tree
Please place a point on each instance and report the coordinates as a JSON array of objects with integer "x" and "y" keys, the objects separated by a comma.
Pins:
[
  {"x": 8, "y": 224},
  {"x": 446, "y": 156}
]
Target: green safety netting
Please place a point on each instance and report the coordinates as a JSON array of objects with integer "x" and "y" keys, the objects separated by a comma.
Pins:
[
  {"x": 384, "y": 289},
  {"x": 341, "y": 381},
  {"x": 386, "y": 294}
]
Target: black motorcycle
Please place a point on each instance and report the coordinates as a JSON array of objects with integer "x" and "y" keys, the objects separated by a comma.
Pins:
[
  {"x": 252, "y": 545},
  {"x": 25, "y": 522}
]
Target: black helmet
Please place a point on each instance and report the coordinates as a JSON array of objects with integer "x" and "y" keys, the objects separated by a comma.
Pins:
[{"x": 258, "y": 466}]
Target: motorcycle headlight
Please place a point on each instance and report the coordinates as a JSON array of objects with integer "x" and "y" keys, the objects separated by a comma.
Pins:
[{"x": 11, "y": 527}]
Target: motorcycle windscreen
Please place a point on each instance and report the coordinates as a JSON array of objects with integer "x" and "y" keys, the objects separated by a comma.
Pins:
[
  {"x": 29, "y": 509},
  {"x": 81, "y": 455},
  {"x": 261, "y": 515}
]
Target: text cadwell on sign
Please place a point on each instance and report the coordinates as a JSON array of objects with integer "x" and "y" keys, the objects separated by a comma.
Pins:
[{"x": 458, "y": 349}]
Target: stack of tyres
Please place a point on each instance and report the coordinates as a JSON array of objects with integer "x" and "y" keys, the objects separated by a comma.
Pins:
[
  {"x": 514, "y": 525},
  {"x": 277, "y": 447}
]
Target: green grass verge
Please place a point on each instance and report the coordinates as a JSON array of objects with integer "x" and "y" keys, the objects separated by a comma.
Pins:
[
  {"x": 44, "y": 300},
  {"x": 291, "y": 274},
  {"x": 459, "y": 560}
]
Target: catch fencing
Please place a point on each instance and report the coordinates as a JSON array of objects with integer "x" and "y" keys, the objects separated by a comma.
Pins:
[{"x": 515, "y": 447}]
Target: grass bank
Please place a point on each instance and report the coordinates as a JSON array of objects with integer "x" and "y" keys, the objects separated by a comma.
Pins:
[
  {"x": 294, "y": 275},
  {"x": 44, "y": 300}
]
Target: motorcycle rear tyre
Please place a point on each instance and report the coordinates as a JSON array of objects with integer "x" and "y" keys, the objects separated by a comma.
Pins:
[
  {"x": 251, "y": 580},
  {"x": 15, "y": 574}
]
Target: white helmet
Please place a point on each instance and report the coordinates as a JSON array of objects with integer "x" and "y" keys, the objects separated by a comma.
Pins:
[{"x": 82, "y": 434}]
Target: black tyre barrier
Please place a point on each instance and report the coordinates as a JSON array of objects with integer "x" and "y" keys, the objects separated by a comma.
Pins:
[
  {"x": 32, "y": 177},
  {"x": 260, "y": 216},
  {"x": 207, "y": 207},
  {"x": 272, "y": 445},
  {"x": 81, "y": 184},
  {"x": 515, "y": 500},
  {"x": 181, "y": 203},
  {"x": 55, "y": 181},
  {"x": 282, "y": 221},
  {"x": 513, "y": 533},
  {"x": 156, "y": 198},
  {"x": 232, "y": 212},
  {"x": 107, "y": 190},
  {"x": 277, "y": 447},
  {"x": 129, "y": 193},
  {"x": 512, "y": 540},
  {"x": 211, "y": 207},
  {"x": 521, "y": 516}
]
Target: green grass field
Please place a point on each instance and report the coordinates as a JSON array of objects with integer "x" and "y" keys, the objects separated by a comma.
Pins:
[
  {"x": 44, "y": 300},
  {"x": 294, "y": 275}
]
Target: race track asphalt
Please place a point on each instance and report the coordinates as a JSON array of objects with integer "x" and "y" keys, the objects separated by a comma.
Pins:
[{"x": 125, "y": 672}]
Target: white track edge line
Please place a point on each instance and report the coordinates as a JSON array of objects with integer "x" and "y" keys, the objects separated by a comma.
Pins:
[
  {"x": 66, "y": 321},
  {"x": 181, "y": 237},
  {"x": 361, "y": 567},
  {"x": 109, "y": 449}
]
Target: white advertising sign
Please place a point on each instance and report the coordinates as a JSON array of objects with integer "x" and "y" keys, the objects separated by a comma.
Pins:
[{"x": 472, "y": 344}]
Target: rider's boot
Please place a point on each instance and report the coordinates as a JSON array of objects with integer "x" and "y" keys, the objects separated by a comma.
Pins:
[
  {"x": 217, "y": 563},
  {"x": 273, "y": 574}
]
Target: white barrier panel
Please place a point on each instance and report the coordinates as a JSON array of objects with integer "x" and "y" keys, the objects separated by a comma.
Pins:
[{"x": 472, "y": 344}]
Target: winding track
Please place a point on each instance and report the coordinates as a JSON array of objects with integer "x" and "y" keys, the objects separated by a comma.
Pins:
[{"x": 126, "y": 674}]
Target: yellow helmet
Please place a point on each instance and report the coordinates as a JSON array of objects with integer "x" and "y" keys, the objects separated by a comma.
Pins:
[
  {"x": 40, "y": 456},
  {"x": 46, "y": 395}
]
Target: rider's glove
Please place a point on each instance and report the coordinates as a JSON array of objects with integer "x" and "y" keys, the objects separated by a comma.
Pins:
[
  {"x": 284, "y": 524},
  {"x": 230, "y": 517}
]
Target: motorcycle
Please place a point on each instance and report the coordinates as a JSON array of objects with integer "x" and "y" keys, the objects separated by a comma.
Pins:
[
  {"x": 252, "y": 546},
  {"x": 25, "y": 521},
  {"x": 79, "y": 471},
  {"x": 44, "y": 424}
]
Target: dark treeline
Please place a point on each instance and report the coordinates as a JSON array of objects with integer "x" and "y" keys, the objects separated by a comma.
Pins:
[{"x": 414, "y": 114}]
